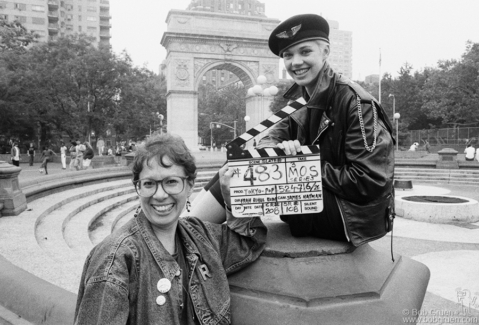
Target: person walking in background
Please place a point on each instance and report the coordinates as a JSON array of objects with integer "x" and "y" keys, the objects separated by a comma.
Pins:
[
  {"x": 31, "y": 154},
  {"x": 80, "y": 149},
  {"x": 100, "y": 145},
  {"x": 88, "y": 155},
  {"x": 413, "y": 146},
  {"x": 470, "y": 152},
  {"x": 118, "y": 155},
  {"x": 15, "y": 152},
  {"x": 47, "y": 155},
  {"x": 427, "y": 146},
  {"x": 110, "y": 151},
  {"x": 73, "y": 155},
  {"x": 63, "y": 155}
]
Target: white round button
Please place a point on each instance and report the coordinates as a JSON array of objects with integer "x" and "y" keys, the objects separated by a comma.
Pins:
[
  {"x": 164, "y": 285},
  {"x": 178, "y": 273},
  {"x": 160, "y": 300}
]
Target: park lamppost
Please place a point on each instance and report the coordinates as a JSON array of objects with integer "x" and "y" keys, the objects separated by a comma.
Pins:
[
  {"x": 396, "y": 117},
  {"x": 258, "y": 90}
]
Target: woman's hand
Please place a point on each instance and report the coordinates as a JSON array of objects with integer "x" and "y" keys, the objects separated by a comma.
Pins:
[
  {"x": 291, "y": 147},
  {"x": 225, "y": 177}
]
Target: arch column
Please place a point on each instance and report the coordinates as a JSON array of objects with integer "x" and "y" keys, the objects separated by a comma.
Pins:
[
  {"x": 257, "y": 108},
  {"x": 183, "y": 106}
]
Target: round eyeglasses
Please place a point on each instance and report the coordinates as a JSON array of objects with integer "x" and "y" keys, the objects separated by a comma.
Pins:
[{"x": 171, "y": 185}]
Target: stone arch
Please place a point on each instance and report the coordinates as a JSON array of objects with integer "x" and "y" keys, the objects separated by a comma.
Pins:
[
  {"x": 244, "y": 74},
  {"x": 195, "y": 45}
]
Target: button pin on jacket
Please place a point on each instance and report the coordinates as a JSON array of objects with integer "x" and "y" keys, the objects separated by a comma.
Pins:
[
  {"x": 164, "y": 285},
  {"x": 160, "y": 300},
  {"x": 204, "y": 271},
  {"x": 178, "y": 273}
]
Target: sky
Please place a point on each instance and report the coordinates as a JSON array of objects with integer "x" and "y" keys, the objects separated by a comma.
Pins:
[{"x": 419, "y": 32}]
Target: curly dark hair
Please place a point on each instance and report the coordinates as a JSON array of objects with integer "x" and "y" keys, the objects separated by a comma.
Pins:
[{"x": 158, "y": 146}]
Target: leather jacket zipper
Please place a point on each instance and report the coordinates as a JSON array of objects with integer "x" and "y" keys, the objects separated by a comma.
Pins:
[{"x": 342, "y": 218}]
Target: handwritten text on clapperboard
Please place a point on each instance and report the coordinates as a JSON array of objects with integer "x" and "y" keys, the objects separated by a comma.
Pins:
[{"x": 276, "y": 186}]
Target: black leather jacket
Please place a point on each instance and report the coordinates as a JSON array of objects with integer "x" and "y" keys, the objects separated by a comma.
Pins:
[{"x": 361, "y": 180}]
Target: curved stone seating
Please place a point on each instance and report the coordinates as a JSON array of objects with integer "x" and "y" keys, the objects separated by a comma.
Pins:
[{"x": 432, "y": 175}]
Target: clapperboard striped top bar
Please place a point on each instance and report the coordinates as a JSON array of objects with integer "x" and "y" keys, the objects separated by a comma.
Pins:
[{"x": 234, "y": 153}]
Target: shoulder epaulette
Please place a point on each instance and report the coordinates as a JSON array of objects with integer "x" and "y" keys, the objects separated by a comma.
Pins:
[{"x": 363, "y": 94}]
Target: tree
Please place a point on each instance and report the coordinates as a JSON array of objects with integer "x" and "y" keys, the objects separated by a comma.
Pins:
[
  {"x": 451, "y": 91},
  {"x": 224, "y": 106},
  {"x": 15, "y": 37},
  {"x": 70, "y": 86}
]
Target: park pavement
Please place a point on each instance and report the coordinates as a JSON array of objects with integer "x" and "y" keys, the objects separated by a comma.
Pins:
[{"x": 450, "y": 251}]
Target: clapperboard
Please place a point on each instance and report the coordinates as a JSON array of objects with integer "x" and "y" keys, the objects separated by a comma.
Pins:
[{"x": 268, "y": 183}]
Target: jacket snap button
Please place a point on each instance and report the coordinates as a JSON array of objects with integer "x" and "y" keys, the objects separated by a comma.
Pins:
[
  {"x": 178, "y": 273},
  {"x": 160, "y": 300},
  {"x": 326, "y": 122}
]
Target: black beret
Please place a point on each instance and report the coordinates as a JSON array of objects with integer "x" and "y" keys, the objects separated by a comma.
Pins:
[{"x": 298, "y": 29}]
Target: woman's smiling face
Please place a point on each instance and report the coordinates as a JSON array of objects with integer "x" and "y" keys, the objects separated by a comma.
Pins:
[
  {"x": 304, "y": 61},
  {"x": 163, "y": 209}
]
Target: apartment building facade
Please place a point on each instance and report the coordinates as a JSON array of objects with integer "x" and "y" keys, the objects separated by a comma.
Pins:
[
  {"x": 54, "y": 18},
  {"x": 341, "y": 57}
]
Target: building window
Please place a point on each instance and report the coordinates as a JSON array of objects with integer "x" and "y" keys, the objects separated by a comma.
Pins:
[
  {"x": 4, "y": 17},
  {"x": 22, "y": 19},
  {"x": 91, "y": 9},
  {"x": 39, "y": 32},
  {"x": 90, "y": 18},
  {"x": 69, "y": 17},
  {"x": 79, "y": 8},
  {"x": 38, "y": 8},
  {"x": 38, "y": 21},
  {"x": 20, "y": 6},
  {"x": 69, "y": 27},
  {"x": 3, "y": 4},
  {"x": 79, "y": 29},
  {"x": 91, "y": 29},
  {"x": 79, "y": 17}
]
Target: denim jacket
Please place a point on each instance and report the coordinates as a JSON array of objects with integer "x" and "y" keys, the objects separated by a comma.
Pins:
[{"x": 120, "y": 276}]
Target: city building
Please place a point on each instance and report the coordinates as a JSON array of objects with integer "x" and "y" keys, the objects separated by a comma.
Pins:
[
  {"x": 372, "y": 78},
  {"x": 241, "y": 7},
  {"x": 341, "y": 57},
  {"x": 53, "y": 18}
]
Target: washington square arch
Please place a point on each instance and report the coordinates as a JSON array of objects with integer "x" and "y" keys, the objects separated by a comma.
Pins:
[{"x": 197, "y": 42}]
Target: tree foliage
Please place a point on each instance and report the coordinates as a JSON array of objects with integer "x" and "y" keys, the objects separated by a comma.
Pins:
[
  {"x": 69, "y": 86},
  {"x": 451, "y": 92},
  {"x": 15, "y": 37},
  {"x": 224, "y": 106}
]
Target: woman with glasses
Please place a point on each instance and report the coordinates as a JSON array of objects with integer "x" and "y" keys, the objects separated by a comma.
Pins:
[{"x": 160, "y": 268}]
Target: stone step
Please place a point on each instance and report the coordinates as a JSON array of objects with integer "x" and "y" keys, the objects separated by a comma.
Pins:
[
  {"x": 49, "y": 230},
  {"x": 105, "y": 224},
  {"x": 76, "y": 229}
]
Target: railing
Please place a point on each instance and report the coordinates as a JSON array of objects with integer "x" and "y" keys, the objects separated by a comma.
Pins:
[{"x": 444, "y": 136}]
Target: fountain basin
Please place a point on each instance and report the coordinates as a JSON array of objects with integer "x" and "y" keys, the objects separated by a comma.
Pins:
[{"x": 428, "y": 208}]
